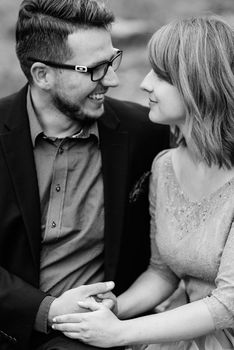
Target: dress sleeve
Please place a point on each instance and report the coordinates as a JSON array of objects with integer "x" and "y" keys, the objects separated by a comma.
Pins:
[
  {"x": 221, "y": 301},
  {"x": 157, "y": 264}
]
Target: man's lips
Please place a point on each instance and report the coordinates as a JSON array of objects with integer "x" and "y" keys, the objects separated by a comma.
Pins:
[{"x": 97, "y": 96}]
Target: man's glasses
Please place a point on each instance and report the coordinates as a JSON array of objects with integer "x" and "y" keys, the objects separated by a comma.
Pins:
[{"x": 97, "y": 72}]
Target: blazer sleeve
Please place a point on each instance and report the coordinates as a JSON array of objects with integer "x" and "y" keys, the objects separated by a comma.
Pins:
[{"x": 19, "y": 302}]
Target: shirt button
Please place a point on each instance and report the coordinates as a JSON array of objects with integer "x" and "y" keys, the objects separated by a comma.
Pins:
[
  {"x": 58, "y": 188},
  {"x": 53, "y": 224},
  {"x": 61, "y": 150}
]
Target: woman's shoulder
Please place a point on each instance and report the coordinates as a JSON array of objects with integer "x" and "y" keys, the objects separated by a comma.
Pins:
[
  {"x": 162, "y": 158},
  {"x": 161, "y": 165}
]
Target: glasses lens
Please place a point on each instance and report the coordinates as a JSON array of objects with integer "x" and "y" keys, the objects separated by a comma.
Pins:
[
  {"x": 100, "y": 71},
  {"x": 116, "y": 61}
]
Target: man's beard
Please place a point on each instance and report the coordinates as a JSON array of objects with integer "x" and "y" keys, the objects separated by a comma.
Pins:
[{"x": 72, "y": 110}]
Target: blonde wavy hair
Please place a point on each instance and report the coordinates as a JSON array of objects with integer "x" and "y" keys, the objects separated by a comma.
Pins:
[{"x": 196, "y": 55}]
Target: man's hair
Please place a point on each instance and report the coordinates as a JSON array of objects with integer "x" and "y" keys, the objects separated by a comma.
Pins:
[
  {"x": 44, "y": 25},
  {"x": 196, "y": 55}
]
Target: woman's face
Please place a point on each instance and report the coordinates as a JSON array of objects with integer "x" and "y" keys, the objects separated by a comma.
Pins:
[{"x": 165, "y": 102}]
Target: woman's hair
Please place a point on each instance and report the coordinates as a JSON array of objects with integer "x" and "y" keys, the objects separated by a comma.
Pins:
[
  {"x": 196, "y": 55},
  {"x": 44, "y": 25}
]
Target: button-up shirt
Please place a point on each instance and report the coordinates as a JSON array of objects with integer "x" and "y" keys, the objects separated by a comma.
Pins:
[{"x": 72, "y": 207}]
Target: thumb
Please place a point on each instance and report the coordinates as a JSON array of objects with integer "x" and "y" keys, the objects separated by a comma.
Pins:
[
  {"x": 96, "y": 288},
  {"x": 109, "y": 303},
  {"x": 90, "y": 304}
]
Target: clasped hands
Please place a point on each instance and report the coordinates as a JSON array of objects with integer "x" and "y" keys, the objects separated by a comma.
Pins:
[{"x": 86, "y": 313}]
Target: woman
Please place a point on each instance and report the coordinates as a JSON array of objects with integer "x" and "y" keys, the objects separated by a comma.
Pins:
[{"x": 191, "y": 87}]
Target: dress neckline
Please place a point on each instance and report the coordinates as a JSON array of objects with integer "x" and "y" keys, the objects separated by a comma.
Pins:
[{"x": 218, "y": 192}]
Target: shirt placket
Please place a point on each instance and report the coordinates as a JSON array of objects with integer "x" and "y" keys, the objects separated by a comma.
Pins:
[{"x": 57, "y": 192}]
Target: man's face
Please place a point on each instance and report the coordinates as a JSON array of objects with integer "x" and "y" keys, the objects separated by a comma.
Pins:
[{"x": 74, "y": 93}]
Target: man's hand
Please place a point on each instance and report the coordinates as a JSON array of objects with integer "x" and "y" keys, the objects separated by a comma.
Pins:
[
  {"x": 67, "y": 303},
  {"x": 109, "y": 300}
]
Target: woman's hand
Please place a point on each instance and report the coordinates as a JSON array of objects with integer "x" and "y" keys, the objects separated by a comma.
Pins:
[
  {"x": 99, "y": 327},
  {"x": 67, "y": 302},
  {"x": 109, "y": 300}
]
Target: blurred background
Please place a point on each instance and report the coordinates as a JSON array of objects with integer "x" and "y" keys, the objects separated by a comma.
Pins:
[{"x": 136, "y": 20}]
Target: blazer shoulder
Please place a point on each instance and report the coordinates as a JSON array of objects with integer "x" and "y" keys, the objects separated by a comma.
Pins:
[
  {"x": 13, "y": 106},
  {"x": 7, "y": 101},
  {"x": 6, "y": 104},
  {"x": 128, "y": 107}
]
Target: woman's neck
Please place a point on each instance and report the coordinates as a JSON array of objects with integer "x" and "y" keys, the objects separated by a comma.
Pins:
[{"x": 195, "y": 176}]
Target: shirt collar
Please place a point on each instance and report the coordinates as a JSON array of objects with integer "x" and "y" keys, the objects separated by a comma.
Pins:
[{"x": 36, "y": 129}]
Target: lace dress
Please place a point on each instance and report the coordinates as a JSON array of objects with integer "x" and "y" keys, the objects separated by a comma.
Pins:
[{"x": 194, "y": 241}]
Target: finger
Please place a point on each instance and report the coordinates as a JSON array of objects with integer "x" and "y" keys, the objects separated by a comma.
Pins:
[
  {"x": 101, "y": 295},
  {"x": 107, "y": 295},
  {"x": 66, "y": 327},
  {"x": 90, "y": 304},
  {"x": 96, "y": 288},
  {"x": 76, "y": 318},
  {"x": 98, "y": 300},
  {"x": 109, "y": 303},
  {"x": 72, "y": 335}
]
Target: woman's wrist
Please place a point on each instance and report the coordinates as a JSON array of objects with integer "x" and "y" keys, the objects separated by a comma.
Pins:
[{"x": 122, "y": 334}]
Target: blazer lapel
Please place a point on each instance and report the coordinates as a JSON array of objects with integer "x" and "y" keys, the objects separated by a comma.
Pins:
[
  {"x": 17, "y": 145},
  {"x": 114, "y": 149}
]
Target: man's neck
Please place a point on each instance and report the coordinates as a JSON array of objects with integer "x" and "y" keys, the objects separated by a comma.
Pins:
[{"x": 53, "y": 122}]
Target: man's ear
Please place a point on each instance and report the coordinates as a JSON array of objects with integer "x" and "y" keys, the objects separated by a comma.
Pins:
[{"x": 42, "y": 75}]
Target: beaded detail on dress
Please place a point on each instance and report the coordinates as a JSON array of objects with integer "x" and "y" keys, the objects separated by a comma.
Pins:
[{"x": 188, "y": 215}]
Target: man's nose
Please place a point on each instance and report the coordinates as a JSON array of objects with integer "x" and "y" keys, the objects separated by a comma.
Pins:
[{"x": 111, "y": 78}]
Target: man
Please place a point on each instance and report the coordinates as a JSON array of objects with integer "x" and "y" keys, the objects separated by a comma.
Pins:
[{"x": 69, "y": 159}]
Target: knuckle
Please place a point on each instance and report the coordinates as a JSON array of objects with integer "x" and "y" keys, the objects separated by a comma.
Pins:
[
  {"x": 87, "y": 336},
  {"x": 84, "y": 329}
]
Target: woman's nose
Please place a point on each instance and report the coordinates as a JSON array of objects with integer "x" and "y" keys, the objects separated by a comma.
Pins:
[{"x": 146, "y": 84}]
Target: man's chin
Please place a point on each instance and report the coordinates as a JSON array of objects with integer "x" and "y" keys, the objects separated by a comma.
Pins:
[{"x": 93, "y": 114}]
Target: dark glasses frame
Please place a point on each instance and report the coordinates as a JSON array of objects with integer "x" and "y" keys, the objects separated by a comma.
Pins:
[{"x": 82, "y": 69}]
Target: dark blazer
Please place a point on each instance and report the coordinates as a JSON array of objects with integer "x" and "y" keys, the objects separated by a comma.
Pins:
[{"x": 128, "y": 144}]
